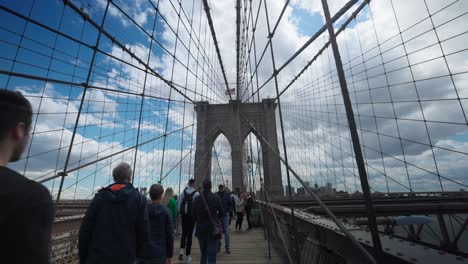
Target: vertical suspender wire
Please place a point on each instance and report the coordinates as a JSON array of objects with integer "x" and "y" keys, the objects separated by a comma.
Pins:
[
  {"x": 65, "y": 119},
  {"x": 83, "y": 96},
  {"x": 354, "y": 135},
  {"x": 186, "y": 82},
  {"x": 293, "y": 220},
  {"x": 43, "y": 90},
  {"x": 373, "y": 109},
  {"x": 417, "y": 95},
  {"x": 249, "y": 52},
  {"x": 196, "y": 86},
  {"x": 452, "y": 81},
  {"x": 143, "y": 97},
  {"x": 20, "y": 43},
  {"x": 170, "y": 92},
  {"x": 266, "y": 231},
  {"x": 237, "y": 48}
]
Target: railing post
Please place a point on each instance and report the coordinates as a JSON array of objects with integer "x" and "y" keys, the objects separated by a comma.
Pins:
[{"x": 354, "y": 135}]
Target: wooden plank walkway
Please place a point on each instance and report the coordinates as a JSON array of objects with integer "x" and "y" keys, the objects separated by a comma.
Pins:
[{"x": 247, "y": 247}]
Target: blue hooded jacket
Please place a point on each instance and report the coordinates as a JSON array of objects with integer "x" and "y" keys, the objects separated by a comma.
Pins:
[
  {"x": 161, "y": 241},
  {"x": 226, "y": 201}
]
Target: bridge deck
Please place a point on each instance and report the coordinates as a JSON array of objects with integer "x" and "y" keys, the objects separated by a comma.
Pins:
[{"x": 246, "y": 247}]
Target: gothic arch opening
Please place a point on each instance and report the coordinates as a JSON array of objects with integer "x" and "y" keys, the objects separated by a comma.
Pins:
[
  {"x": 253, "y": 163},
  {"x": 221, "y": 162}
]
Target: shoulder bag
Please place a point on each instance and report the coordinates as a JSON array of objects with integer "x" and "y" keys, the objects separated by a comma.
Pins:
[{"x": 217, "y": 228}]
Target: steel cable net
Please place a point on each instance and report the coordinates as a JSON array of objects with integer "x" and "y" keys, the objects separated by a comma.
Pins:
[
  {"x": 406, "y": 76},
  {"x": 112, "y": 82},
  {"x": 406, "y": 73},
  {"x": 109, "y": 82}
]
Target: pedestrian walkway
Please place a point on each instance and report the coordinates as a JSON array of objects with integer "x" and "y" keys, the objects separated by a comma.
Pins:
[{"x": 247, "y": 247}]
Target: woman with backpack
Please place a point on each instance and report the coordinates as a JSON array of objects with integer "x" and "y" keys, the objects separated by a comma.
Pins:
[
  {"x": 184, "y": 204},
  {"x": 160, "y": 247}
]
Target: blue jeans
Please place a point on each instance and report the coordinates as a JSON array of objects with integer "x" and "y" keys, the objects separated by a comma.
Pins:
[
  {"x": 207, "y": 249},
  {"x": 225, "y": 222}
]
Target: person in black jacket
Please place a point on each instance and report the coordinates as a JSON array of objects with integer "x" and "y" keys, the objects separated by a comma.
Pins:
[
  {"x": 27, "y": 211},
  {"x": 115, "y": 225},
  {"x": 248, "y": 210},
  {"x": 226, "y": 201},
  {"x": 205, "y": 221},
  {"x": 160, "y": 247}
]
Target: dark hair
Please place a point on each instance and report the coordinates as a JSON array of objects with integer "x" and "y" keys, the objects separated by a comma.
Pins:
[
  {"x": 14, "y": 108},
  {"x": 191, "y": 181},
  {"x": 207, "y": 184},
  {"x": 156, "y": 191}
]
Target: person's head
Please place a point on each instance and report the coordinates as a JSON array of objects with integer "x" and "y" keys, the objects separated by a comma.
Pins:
[
  {"x": 122, "y": 173},
  {"x": 207, "y": 185},
  {"x": 167, "y": 195},
  {"x": 237, "y": 191},
  {"x": 156, "y": 191},
  {"x": 15, "y": 124},
  {"x": 191, "y": 183},
  {"x": 221, "y": 188}
]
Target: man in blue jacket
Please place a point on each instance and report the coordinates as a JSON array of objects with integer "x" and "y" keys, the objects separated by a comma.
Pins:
[
  {"x": 160, "y": 247},
  {"x": 115, "y": 226},
  {"x": 226, "y": 201}
]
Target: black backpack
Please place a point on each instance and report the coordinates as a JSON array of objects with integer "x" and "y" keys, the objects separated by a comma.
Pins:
[{"x": 188, "y": 199}]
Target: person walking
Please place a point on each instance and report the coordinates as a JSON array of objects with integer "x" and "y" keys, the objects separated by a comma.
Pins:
[
  {"x": 160, "y": 247},
  {"x": 27, "y": 211},
  {"x": 233, "y": 208},
  {"x": 169, "y": 201},
  {"x": 115, "y": 226},
  {"x": 239, "y": 207},
  {"x": 227, "y": 205},
  {"x": 248, "y": 210},
  {"x": 207, "y": 210},
  {"x": 184, "y": 205}
]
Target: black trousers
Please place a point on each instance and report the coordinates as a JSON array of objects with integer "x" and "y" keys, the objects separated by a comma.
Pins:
[
  {"x": 248, "y": 214},
  {"x": 231, "y": 215},
  {"x": 240, "y": 217},
  {"x": 187, "y": 233}
]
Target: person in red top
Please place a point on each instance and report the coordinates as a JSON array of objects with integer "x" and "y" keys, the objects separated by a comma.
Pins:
[{"x": 27, "y": 211}]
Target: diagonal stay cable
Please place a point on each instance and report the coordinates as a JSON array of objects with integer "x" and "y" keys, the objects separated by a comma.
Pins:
[
  {"x": 123, "y": 47},
  {"x": 215, "y": 40},
  {"x": 189, "y": 152},
  {"x": 319, "y": 201},
  {"x": 338, "y": 14},
  {"x": 342, "y": 28}
]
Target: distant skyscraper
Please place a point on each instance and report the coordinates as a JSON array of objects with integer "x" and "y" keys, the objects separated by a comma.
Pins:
[{"x": 286, "y": 190}]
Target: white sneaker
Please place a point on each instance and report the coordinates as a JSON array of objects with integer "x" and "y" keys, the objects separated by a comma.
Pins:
[
  {"x": 181, "y": 253},
  {"x": 188, "y": 259}
]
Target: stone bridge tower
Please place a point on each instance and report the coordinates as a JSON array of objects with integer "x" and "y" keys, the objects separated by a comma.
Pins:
[{"x": 224, "y": 118}]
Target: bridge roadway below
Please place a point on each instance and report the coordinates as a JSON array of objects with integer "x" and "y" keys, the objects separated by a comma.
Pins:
[{"x": 394, "y": 205}]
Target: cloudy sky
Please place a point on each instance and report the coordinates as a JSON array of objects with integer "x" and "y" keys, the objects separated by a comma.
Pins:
[{"x": 406, "y": 72}]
